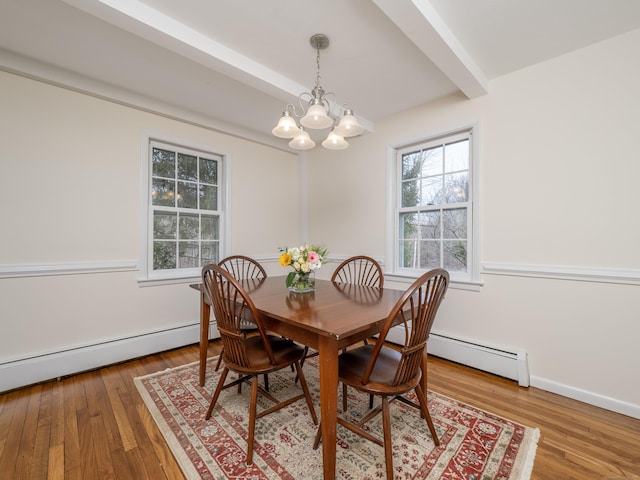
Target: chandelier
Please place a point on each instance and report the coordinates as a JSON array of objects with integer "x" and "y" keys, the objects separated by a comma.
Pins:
[{"x": 316, "y": 112}]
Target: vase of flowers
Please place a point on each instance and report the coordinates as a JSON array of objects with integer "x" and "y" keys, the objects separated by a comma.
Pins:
[{"x": 304, "y": 261}]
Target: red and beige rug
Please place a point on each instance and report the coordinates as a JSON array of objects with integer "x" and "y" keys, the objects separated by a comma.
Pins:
[{"x": 475, "y": 444}]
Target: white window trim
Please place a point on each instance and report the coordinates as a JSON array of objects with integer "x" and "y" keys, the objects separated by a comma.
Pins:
[
  {"x": 470, "y": 281},
  {"x": 186, "y": 275}
]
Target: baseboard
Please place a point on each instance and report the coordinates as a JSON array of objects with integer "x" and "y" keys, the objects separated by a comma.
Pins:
[
  {"x": 40, "y": 368},
  {"x": 608, "y": 403}
]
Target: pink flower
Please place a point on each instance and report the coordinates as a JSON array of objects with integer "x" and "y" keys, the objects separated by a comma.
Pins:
[{"x": 313, "y": 257}]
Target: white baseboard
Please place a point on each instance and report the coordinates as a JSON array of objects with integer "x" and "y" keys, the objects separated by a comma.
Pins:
[
  {"x": 584, "y": 396},
  {"x": 40, "y": 368}
]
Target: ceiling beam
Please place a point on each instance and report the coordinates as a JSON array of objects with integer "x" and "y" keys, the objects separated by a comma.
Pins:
[{"x": 422, "y": 24}]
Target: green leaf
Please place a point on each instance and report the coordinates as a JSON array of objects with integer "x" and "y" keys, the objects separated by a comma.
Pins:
[{"x": 290, "y": 278}]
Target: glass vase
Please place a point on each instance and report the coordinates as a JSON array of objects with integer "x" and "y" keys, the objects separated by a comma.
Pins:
[{"x": 303, "y": 282}]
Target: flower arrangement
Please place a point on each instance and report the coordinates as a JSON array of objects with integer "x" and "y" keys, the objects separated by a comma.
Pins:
[{"x": 304, "y": 260}]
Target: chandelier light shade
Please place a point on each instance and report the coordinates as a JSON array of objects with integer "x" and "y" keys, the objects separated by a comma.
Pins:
[
  {"x": 316, "y": 113},
  {"x": 302, "y": 141},
  {"x": 335, "y": 142},
  {"x": 287, "y": 127},
  {"x": 348, "y": 126}
]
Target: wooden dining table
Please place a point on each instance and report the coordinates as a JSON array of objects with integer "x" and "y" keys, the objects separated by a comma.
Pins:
[{"x": 328, "y": 319}]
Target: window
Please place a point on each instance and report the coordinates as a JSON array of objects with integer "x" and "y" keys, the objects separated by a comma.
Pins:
[
  {"x": 433, "y": 214},
  {"x": 184, "y": 210}
]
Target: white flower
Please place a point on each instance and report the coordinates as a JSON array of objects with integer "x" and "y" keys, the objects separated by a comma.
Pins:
[{"x": 295, "y": 253}]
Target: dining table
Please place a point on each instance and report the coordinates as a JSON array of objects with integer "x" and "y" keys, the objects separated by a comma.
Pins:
[{"x": 328, "y": 319}]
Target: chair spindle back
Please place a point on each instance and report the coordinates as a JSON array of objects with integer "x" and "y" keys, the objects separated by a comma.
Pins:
[
  {"x": 416, "y": 310},
  {"x": 359, "y": 270},
  {"x": 232, "y": 306}
]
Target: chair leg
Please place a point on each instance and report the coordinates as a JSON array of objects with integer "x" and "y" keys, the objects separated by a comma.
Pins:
[
  {"x": 219, "y": 359},
  {"x": 216, "y": 394},
  {"x": 252, "y": 419},
  {"x": 344, "y": 397},
  {"x": 304, "y": 356},
  {"x": 427, "y": 416},
  {"x": 316, "y": 442},
  {"x": 386, "y": 429},
  {"x": 307, "y": 395},
  {"x": 306, "y": 352}
]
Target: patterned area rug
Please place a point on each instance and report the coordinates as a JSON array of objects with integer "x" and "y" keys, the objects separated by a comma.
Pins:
[{"x": 475, "y": 445}]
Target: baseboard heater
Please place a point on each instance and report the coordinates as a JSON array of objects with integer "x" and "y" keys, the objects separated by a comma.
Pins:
[{"x": 505, "y": 362}]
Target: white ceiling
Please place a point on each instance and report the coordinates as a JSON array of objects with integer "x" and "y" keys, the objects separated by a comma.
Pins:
[{"x": 241, "y": 61}]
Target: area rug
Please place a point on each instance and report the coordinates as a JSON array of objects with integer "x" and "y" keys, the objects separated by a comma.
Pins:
[{"x": 475, "y": 444}]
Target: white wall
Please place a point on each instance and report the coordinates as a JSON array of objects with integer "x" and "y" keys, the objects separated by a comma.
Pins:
[
  {"x": 560, "y": 166},
  {"x": 70, "y": 168}
]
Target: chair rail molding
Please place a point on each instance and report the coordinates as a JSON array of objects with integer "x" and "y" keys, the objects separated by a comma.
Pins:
[
  {"x": 44, "y": 270},
  {"x": 560, "y": 272}
]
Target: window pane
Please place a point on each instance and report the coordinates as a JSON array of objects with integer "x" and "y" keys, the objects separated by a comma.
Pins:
[
  {"x": 454, "y": 223},
  {"x": 189, "y": 254},
  {"x": 408, "y": 258},
  {"x": 456, "y": 187},
  {"x": 210, "y": 229},
  {"x": 410, "y": 193},
  {"x": 431, "y": 193},
  {"x": 164, "y": 255},
  {"x": 188, "y": 227},
  {"x": 208, "y": 197},
  {"x": 432, "y": 162},
  {"x": 455, "y": 255},
  {"x": 208, "y": 171},
  {"x": 456, "y": 156},
  {"x": 210, "y": 253},
  {"x": 187, "y": 196},
  {"x": 164, "y": 163},
  {"x": 411, "y": 165},
  {"x": 430, "y": 224},
  {"x": 429, "y": 254},
  {"x": 408, "y": 225},
  {"x": 187, "y": 167},
  {"x": 164, "y": 225},
  {"x": 163, "y": 192}
]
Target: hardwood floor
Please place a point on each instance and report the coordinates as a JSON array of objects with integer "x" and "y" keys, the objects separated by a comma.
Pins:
[{"x": 94, "y": 425}]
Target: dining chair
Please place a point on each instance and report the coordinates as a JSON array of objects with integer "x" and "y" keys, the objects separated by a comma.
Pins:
[
  {"x": 383, "y": 371},
  {"x": 243, "y": 267},
  {"x": 251, "y": 356},
  {"x": 358, "y": 270}
]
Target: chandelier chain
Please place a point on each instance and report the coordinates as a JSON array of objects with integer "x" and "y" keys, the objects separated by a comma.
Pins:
[{"x": 318, "y": 68}]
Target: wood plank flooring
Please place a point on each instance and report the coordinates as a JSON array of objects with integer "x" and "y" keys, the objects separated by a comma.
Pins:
[{"x": 94, "y": 425}]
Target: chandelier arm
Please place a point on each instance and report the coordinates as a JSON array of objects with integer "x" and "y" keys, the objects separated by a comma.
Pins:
[
  {"x": 330, "y": 104},
  {"x": 303, "y": 99}
]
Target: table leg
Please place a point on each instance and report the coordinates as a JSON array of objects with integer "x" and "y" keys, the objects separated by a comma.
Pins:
[
  {"x": 328, "y": 348},
  {"x": 205, "y": 312}
]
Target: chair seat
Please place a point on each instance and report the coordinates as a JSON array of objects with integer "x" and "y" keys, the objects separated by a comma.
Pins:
[
  {"x": 353, "y": 363},
  {"x": 285, "y": 352}
]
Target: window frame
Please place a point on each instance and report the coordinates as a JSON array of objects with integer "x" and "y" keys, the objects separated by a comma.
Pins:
[
  {"x": 466, "y": 280},
  {"x": 146, "y": 275}
]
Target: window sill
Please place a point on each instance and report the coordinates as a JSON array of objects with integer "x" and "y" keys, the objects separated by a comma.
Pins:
[
  {"x": 154, "y": 282},
  {"x": 455, "y": 284}
]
